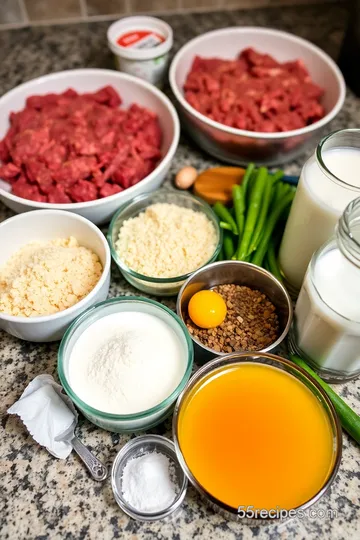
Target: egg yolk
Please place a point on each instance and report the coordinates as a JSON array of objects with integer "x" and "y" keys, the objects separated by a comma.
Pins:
[{"x": 207, "y": 309}]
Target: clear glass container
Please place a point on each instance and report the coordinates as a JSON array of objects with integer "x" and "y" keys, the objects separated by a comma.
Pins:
[
  {"x": 124, "y": 422},
  {"x": 326, "y": 329},
  {"x": 152, "y": 285},
  {"x": 329, "y": 181},
  {"x": 138, "y": 447}
]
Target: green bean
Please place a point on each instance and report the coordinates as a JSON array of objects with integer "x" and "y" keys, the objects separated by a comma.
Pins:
[
  {"x": 350, "y": 421},
  {"x": 266, "y": 265},
  {"x": 247, "y": 176},
  {"x": 225, "y": 226},
  {"x": 268, "y": 230},
  {"x": 279, "y": 192},
  {"x": 255, "y": 239},
  {"x": 277, "y": 176},
  {"x": 223, "y": 213},
  {"x": 250, "y": 186},
  {"x": 272, "y": 261},
  {"x": 239, "y": 207},
  {"x": 220, "y": 256},
  {"x": 253, "y": 212},
  {"x": 228, "y": 245}
]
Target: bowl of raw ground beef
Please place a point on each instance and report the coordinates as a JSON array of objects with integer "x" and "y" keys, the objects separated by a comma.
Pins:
[
  {"x": 84, "y": 140},
  {"x": 255, "y": 94}
]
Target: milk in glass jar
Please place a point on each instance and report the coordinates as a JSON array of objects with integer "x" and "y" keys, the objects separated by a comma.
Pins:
[
  {"x": 330, "y": 179},
  {"x": 326, "y": 329}
]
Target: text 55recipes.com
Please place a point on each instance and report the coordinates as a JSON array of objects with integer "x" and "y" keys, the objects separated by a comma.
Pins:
[{"x": 281, "y": 513}]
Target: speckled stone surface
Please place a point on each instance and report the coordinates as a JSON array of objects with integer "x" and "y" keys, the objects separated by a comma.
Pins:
[{"x": 42, "y": 497}]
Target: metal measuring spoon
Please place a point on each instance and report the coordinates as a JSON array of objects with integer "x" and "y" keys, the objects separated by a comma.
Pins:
[{"x": 96, "y": 468}]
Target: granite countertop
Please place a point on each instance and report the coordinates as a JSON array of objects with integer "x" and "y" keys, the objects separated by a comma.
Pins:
[{"x": 42, "y": 497}]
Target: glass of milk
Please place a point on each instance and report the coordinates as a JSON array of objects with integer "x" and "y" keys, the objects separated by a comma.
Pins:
[
  {"x": 330, "y": 179},
  {"x": 326, "y": 329}
]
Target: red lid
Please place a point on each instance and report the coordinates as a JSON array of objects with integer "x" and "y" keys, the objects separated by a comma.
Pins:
[{"x": 140, "y": 39}]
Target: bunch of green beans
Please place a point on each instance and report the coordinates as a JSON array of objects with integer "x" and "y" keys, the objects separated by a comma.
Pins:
[{"x": 254, "y": 224}]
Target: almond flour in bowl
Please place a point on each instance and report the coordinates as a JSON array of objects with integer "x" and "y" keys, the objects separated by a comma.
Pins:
[
  {"x": 43, "y": 278},
  {"x": 160, "y": 238},
  {"x": 166, "y": 241}
]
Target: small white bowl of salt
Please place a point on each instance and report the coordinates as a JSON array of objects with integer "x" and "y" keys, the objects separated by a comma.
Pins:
[{"x": 147, "y": 480}]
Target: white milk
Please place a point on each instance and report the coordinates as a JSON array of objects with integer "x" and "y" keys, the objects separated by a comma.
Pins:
[
  {"x": 326, "y": 329},
  {"x": 317, "y": 206}
]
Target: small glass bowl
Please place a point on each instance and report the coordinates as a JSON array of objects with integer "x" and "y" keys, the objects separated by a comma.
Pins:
[
  {"x": 153, "y": 285},
  {"x": 139, "y": 421},
  {"x": 138, "y": 447}
]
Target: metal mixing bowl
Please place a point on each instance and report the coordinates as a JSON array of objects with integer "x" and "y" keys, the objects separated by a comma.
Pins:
[
  {"x": 240, "y": 273},
  {"x": 284, "y": 365},
  {"x": 239, "y": 146}
]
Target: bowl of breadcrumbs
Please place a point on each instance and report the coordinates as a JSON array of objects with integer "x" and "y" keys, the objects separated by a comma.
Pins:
[
  {"x": 53, "y": 265},
  {"x": 161, "y": 238}
]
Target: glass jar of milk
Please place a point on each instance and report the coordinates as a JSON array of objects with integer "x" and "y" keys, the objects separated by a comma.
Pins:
[
  {"x": 326, "y": 329},
  {"x": 330, "y": 179}
]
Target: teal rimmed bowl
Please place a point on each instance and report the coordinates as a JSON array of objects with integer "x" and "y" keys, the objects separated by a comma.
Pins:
[{"x": 124, "y": 422}]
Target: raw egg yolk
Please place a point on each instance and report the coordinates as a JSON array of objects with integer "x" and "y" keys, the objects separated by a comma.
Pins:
[{"x": 207, "y": 309}]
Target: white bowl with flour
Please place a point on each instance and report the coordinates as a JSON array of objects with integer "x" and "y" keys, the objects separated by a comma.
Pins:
[
  {"x": 45, "y": 226},
  {"x": 124, "y": 362}
]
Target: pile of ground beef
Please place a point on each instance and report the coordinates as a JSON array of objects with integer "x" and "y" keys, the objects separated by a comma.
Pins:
[
  {"x": 254, "y": 92},
  {"x": 69, "y": 148}
]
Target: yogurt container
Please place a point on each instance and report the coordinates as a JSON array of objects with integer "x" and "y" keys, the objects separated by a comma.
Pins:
[{"x": 141, "y": 46}]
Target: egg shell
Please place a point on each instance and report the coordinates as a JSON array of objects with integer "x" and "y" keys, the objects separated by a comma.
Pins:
[{"x": 186, "y": 177}]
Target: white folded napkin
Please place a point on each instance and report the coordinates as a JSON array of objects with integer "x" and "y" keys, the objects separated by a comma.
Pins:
[{"x": 48, "y": 415}]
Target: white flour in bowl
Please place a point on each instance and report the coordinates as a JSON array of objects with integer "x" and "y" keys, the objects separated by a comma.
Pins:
[{"x": 126, "y": 362}]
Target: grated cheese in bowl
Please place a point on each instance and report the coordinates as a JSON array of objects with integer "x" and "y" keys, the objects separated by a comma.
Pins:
[
  {"x": 42, "y": 278},
  {"x": 166, "y": 240}
]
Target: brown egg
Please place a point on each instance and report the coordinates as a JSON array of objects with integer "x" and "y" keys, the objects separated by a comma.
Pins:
[{"x": 186, "y": 177}]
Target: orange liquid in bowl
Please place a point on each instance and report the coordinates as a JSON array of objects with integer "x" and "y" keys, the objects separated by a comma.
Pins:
[{"x": 252, "y": 434}]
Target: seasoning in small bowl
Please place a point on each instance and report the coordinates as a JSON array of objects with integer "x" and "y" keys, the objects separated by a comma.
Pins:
[
  {"x": 161, "y": 238},
  {"x": 251, "y": 322},
  {"x": 147, "y": 480},
  {"x": 258, "y": 309}
]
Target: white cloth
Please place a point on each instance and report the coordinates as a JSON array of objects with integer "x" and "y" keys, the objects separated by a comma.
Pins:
[{"x": 48, "y": 415}]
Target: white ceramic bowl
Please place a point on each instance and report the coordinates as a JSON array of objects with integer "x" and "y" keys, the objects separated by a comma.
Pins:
[
  {"x": 240, "y": 146},
  {"x": 43, "y": 225},
  {"x": 131, "y": 90}
]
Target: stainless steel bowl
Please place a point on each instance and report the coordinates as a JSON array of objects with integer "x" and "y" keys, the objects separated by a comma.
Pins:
[
  {"x": 240, "y": 273},
  {"x": 301, "y": 375},
  {"x": 240, "y": 146}
]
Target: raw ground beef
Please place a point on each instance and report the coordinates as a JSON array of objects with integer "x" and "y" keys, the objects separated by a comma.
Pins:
[
  {"x": 254, "y": 92},
  {"x": 66, "y": 148}
]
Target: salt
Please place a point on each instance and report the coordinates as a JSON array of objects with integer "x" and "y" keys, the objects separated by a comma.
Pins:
[{"x": 146, "y": 483}]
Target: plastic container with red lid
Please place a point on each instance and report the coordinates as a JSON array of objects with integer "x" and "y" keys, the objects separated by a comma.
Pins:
[{"x": 141, "y": 46}]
